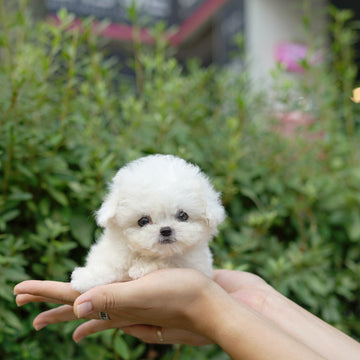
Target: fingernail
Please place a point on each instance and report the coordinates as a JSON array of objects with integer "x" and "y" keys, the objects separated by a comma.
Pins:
[
  {"x": 78, "y": 339},
  {"x": 84, "y": 309},
  {"x": 19, "y": 300},
  {"x": 38, "y": 327}
]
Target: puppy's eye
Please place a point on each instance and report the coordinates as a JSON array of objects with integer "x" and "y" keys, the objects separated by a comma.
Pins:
[
  {"x": 182, "y": 215},
  {"x": 144, "y": 221}
]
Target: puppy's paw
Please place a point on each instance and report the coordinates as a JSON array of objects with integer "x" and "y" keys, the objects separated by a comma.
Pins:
[
  {"x": 136, "y": 272},
  {"x": 139, "y": 269},
  {"x": 83, "y": 279}
]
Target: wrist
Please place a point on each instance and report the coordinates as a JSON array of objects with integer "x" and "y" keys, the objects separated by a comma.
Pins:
[
  {"x": 211, "y": 312},
  {"x": 244, "y": 333}
]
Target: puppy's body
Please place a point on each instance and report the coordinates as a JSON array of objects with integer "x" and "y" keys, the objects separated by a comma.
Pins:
[
  {"x": 109, "y": 261},
  {"x": 161, "y": 212}
]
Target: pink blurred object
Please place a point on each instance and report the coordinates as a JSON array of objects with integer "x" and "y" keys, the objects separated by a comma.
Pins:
[
  {"x": 290, "y": 55},
  {"x": 296, "y": 123}
]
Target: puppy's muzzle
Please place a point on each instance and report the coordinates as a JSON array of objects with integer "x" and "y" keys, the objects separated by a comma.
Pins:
[{"x": 166, "y": 235}]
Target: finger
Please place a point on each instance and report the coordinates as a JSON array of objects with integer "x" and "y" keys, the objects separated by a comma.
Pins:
[
  {"x": 94, "y": 326},
  {"x": 230, "y": 280},
  {"x": 150, "y": 334},
  {"x": 23, "y": 299},
  {"x": 59, "y": 291},
  {"x": 54, "y": 316},
  {"x": 147, "y": 333}
]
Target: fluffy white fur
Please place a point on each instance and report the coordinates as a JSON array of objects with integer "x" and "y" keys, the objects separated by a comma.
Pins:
[{"x": 159, "y": 187}]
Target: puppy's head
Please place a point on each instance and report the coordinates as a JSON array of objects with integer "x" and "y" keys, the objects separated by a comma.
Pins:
[{"x": 161, "y": 205}]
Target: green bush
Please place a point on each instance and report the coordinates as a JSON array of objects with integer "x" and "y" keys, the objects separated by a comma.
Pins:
[{"x": 70, "y": 119}]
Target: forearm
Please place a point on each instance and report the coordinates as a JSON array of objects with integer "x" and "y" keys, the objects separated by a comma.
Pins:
[
  {"x": 246, "y": 335},
  {"x": 308, "y": 329}
]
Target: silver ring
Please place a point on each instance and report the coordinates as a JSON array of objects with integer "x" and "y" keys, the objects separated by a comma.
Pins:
[
  {"x": 104, "y": 315},
  {"x": 159, "y": 334}
]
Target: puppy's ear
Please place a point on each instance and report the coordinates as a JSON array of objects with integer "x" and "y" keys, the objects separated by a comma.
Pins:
[
  {"x": 107, "y": 211},
  {"x": 214, "y": 210},
  {"x": 215, "y": 214}
]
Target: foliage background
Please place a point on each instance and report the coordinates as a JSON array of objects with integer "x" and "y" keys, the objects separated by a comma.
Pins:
[{"x": 70, "y": 119}]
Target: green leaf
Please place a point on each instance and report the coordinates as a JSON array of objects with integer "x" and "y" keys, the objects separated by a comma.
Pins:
[
  {"x": 6, "y": 292},
  {"x": 121, "y": 347},
  {"x": 20, "y": 196},
  {"x": 354, "y": 226},
  {"x": 10, "y": 215},
  {"x": 12, "y": 320},
  {"x": 82, "y": 229},
  {"x": 58, "y": 196},
  {"x": 138, "y": 351},
  {"x": 15, "y": 275}
]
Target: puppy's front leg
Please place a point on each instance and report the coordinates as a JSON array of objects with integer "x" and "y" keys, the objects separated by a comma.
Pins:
[
  {"x": 104, "y": 265},
  {"x": 85, "y": 278}
]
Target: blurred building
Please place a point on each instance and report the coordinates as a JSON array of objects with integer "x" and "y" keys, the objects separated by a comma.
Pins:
[
  {"x": 273, "y": 30},
  {"x": 205, "y": 29}
]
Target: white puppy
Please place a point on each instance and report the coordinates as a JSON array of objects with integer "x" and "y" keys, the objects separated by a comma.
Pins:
[{"x": 161, "y": 212}]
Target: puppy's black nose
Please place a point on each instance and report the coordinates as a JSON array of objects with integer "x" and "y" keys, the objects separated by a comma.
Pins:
[{"x": 166, "y": 231}]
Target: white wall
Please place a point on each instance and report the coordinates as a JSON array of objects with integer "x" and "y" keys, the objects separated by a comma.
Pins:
[{"x": 269, "y": 22}]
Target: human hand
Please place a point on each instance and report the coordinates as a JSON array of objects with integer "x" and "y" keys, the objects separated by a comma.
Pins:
[
  {"x": 169, "y": 292},
  {"x": 245, "y": 287},
  {"x": 192, "y": 309}
]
